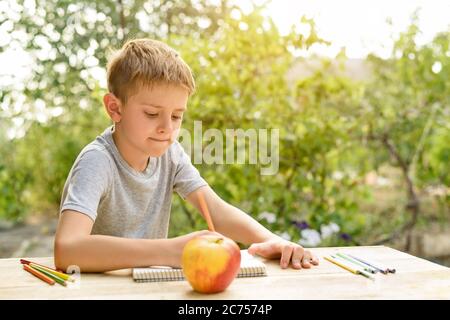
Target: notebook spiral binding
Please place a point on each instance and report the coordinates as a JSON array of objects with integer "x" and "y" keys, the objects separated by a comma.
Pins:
[{"x": 158, "y": 275}]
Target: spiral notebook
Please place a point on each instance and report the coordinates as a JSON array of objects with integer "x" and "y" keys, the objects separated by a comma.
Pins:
[{"x": 250, "y": 267}]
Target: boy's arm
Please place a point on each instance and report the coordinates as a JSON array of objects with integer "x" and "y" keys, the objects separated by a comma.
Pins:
[
  {"x": 231, "y": 221},
  {"x": 239, "y": 226},
  {"x": 74, "y": 245}
]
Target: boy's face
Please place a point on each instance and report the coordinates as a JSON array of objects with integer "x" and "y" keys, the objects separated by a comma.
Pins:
[{"x": 151, "y": 119}]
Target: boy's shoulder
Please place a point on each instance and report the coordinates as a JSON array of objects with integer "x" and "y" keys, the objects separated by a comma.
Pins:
[
  {"x": 95, "y": 154},
  {"x": 176, "y": 153}
]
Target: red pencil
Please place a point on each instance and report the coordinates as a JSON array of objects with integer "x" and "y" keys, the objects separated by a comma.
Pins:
[
  {"x": 23, "y": 261},
  {"x": 38, "y": 274}
]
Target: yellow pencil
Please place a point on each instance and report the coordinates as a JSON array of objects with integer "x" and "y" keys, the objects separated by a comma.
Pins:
[
  {"x": 50, "y": 275},
  {"x": 348, "y": 268},
  {"x": 341, "y": 265},
  {"x": 56, "y": 273}
]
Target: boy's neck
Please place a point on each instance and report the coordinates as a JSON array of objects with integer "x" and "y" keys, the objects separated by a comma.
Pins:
[{"x": 133, "y": 157}]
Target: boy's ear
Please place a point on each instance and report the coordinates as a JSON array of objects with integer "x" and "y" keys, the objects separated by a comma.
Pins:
[{"x": 113, "y": 107}]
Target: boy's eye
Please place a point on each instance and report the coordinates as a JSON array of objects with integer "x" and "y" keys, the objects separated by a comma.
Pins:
[{"x": 153, "y": 115}]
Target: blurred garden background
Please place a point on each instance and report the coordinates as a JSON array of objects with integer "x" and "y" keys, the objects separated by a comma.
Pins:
[{"x": 364, "y": 135}]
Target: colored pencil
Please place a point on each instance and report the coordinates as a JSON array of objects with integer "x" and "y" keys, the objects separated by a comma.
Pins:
[
  {"x": 358, "y": 263},
  {"x": 347, "y": 267},
  {"x": 357, "y": 268},
  {"x": 23, "y": 261},
  {"x": 56, "y": 273},
  {"x": 352, "y": 265},
  {"x": 50, "y": 275},
  {"x": 341, "y": 265},
  {"x": 382, "y": 269},
  {"x": 205, "y": 211},
  {"x": 38, "y": 274}
]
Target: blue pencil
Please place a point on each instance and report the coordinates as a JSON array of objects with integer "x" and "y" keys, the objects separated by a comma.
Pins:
[
  {"x": 383, "y": 270},
  {"x": 357, "y": 262}
]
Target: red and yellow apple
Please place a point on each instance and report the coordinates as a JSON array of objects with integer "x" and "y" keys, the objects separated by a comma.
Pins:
[{"x": 210, "y": 263}]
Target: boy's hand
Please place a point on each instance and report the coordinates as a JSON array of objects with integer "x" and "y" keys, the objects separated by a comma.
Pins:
[{"x": 287, "y": 252}]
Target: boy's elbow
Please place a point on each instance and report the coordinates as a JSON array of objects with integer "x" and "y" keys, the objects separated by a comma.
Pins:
[{"x": 63, "y": 256}]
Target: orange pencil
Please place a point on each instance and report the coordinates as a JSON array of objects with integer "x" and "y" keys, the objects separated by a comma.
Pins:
[
  {"x": 38, "y": 274},
  {"x": 63, "y": 276},
  {"x": 205, "y": 212}
]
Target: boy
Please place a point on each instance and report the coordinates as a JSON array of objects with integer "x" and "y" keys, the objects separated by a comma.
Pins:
[{"x": 116, "y": 201}]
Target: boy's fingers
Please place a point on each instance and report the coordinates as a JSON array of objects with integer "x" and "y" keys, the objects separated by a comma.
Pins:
[
  {"x": 253, "y": 249},
  {"x": 315, "y": 260},
  {"x": 306, "y": 260},
  {"x": 286, "y": 255},
  {"x": 296, "y": 257},
  {"x": 260, "y": 249},
  {"x": 267, "y": 250}
]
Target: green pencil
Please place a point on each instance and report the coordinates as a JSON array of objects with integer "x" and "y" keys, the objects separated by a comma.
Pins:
[
  {"x": 50, "y": 275},
  {"x": 365, "y": 267},
  {"x": 366, "y": 274},
  {"x": 352, "y": 267}
]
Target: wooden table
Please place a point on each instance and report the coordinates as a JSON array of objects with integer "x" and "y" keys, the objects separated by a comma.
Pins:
[{"x": 415, "y": 278}]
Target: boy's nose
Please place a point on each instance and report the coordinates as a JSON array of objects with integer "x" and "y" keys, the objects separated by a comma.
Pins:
[{"x": 164, "y": 127}]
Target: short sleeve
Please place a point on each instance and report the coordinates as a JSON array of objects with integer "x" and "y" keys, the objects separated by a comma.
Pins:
[
  {"x": 87, "y": 183},
  {"x": 187, "y": 178}
]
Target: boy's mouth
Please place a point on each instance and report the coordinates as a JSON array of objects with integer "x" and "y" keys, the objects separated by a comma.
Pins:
[{"x": 159, "y": 140}]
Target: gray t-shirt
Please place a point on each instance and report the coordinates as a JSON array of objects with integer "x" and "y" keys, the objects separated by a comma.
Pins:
[{"x": 122, "y": 201}]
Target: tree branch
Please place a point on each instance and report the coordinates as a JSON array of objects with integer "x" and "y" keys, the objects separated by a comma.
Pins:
[{"x": 413, "y": 204}]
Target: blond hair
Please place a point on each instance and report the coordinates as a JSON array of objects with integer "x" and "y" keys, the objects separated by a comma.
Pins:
[{"x": 145, "y": 62}]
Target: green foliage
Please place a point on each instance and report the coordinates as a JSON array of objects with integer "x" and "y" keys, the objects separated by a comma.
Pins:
[
  {"x": 244, "y": 87},
  {"x": 408, "y": 102},
  {"x": 13, "y": 181},
  {"x": 404, "y": 118},
  {"x": 54, "y": 147},
  {"x": 331, "y": 128}
]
